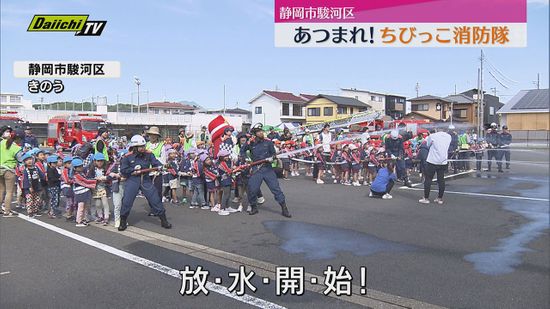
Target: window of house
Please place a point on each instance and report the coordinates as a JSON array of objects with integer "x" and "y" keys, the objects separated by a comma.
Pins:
[
  {"x": 491, "y": 110},
  {"x": 15, "y": 99},
  {"x": 297, "y": 110},
  {"x": 460, "y": 113},
  {"x": 4, "y": 99},
  {"x": 286, "y": 109},
  {"x": 342, "y": 110},
  {"x": 328, "y": 111},
  {"x": 372, "y": 98},
  {"x": 258, "y": 110},
  {"x": 420, "y": 107},
  {"x": 314, "y": 111}
]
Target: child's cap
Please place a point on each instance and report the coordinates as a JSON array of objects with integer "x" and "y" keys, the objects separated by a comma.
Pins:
[
  {"x": 99, "y": 156},
  {"x": 77, "y": 162},
  {"x": 223, "y": 153},
  {"x": 27, "y": 155},
  {"x": 52, "y": 159}
]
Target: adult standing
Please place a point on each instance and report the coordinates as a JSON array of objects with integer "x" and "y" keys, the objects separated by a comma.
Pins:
[
  {"x": 325, "y": 138},
  {"x": 189, "y": 141},
  {"x": 144, "y": 133},
  {"x": 436, "y": 163},
  {"x": 130, "y": 166},
  {"x": 453, "y": 148},
  {"x": 493, "y": 143},
  {"x": 272, "y": 134},
  {"x": 30, "y": 138},
  {"x": 203, "y": 136},
  {"x": 9, "y": 151},
  {"x": 395, "y": 149},
  {"x": 101, "y": 143},
  {"x": 505, "y": 141},
  {"x": 155, "y": 146},
  {"x": 262, "y": 149}
]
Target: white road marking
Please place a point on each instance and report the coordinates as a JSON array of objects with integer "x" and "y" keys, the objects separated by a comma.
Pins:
[
  {"x": 4, "y": 273},
  {"x": 374, "y": 299},
  {"x": 446, "y": 177},
  {"x": 489, "y": 195},
  {"x": 248, "y": 299}
]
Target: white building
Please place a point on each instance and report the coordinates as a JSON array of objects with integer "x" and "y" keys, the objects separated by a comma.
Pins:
[
  {"x": 168, "y": 108},
  {"x": 374, "y": 99},
  {"x": 14, "y": 102},
  {"x": 275, "y": 107},
  {"x": 244, "y": 114}
]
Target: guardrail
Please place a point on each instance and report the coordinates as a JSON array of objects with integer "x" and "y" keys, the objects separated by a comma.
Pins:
[{"x": 533, "y": 137}]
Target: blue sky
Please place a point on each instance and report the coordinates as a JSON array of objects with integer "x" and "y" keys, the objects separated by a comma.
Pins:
[{"x": 188, "y": 50}]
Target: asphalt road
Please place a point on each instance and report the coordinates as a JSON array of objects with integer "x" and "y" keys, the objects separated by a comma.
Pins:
[{"x": 486, "y": 247}]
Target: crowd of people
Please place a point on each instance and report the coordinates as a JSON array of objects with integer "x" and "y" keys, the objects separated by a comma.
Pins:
[{"x": 188, "y": 170}]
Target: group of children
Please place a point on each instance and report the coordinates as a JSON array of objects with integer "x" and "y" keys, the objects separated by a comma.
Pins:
[
  {"x": 206, "y": 183},
  {"x": 87, "y": 180},
  {"x": 42, "y": 178}
]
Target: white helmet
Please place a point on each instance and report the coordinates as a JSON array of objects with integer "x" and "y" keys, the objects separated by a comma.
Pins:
[
  {"x": 451, "y": 127},
  {"x": 137, "y": 140},
  {"x": 493, "y": 125},
  {"x": 394, "y": 134},
  {"x": 352, "y": 147}
]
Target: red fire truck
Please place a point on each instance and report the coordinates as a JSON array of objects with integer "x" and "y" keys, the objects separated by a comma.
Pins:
[
  {"x": 10, "y": 118},
  {"x": 69, "y": 130}
]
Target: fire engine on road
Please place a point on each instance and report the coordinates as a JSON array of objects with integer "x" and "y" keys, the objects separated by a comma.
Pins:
[
  {"x": 69, "y": 130},
  {"x": 11, "y": 119}
]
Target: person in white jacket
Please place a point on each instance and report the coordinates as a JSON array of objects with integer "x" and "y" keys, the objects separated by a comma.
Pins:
[{"x": 436, "y": 163}]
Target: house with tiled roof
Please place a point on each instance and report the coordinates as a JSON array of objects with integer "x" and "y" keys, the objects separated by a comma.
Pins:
[
  {"x": 527, "y": 110},
  {"x": 168, "y": 108},
  {"x": 433, "y": 107},
  {"x": 324, "y": 107},
  {"x": 272, "y": 107}
]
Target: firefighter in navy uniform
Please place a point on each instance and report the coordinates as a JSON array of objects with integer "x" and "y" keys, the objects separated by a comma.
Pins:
[
  {"x": 261, "y": 148},
  {"x": 493, "y": 144},
  {"x": 395, "y": 150},
  {"x": 130, "y": 165},
  {"x": 505, "y": 141}
]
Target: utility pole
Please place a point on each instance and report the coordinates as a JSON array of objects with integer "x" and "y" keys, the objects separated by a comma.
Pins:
[
  {"x": 42, "y": 103},
  {"x": 494, "y": 89},
  {"x": 455, "y": 89},
  {"x": 481, "y": 93},
  {"x": 417, "y": 88},
  {"x": 117, "y": 104},
  {"x": 478, "y": 104},
  {"x": 537, "y": 82}
]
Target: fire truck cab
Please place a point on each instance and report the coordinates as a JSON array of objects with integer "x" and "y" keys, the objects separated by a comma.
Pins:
[
  {"x": 11, "y": 119},
  {"x": 69, "y": 130}
]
